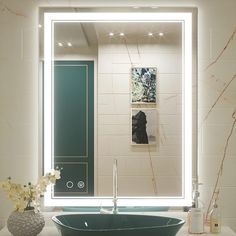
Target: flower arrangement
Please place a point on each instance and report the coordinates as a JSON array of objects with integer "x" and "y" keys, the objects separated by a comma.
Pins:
[{"x": 27, "y": 197}]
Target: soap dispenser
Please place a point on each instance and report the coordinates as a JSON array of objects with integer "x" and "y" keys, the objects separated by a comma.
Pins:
[
  {"x": 215, "y": 220},
  {"x": 196, "y": 214},
  {"x": 196, "y": 221}
]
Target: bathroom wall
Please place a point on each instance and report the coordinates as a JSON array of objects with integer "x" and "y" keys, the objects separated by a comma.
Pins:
[
  {"x": 138, "y": 164},
  {"x": 18, "y": 94},
  {"x": 217, "y": 93}
]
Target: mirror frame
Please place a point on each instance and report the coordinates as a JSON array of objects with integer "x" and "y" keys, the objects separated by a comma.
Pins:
[{"x": 185, "y": 18}]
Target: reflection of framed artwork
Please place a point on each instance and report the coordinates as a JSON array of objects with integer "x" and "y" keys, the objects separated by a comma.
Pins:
[
  {"x": 143, "y": 85},
  {"x": 144, "y": 125}
]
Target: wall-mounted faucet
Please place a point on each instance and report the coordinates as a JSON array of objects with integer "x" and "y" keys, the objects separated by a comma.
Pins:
[
  {"x": 115, "y": 191},
  {"x": 115, "y": 187}
]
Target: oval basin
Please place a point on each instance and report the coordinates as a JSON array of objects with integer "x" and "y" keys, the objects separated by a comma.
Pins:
[{"x": 116, "y": 225}]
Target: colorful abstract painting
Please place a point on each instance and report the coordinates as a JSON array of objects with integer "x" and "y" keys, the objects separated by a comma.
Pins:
[{"x": 143, "y": 85}]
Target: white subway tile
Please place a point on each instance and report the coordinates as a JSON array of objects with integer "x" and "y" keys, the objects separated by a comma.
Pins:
[
  {"x": 112, "y": 49},
  {"x": 105, "y": 83},
  {"x": 167, "y": 166},
  {"x": 113, "y": 119},
  {"x": 121, "y": 68},
  {"x": 169, "y": 83},
  {"x": 105, "y": 166},
  {"x": 134, "y": 167},
  {"x": 135, "y": 186},
  {"x": 104, "y": 63},
  {"x": 169, "y": 186},
  {"x": 167, "y": 104},
  {"x": 113, "y": 129},
  {"x": 104, "y": 187},
  {"x": 111, "y": 104},
  {"x": 121, "y": 83},
  {"x": 165, "y": 63},
  {"x": 156, "y": 48},
  {"x": 120, "y": 58}
]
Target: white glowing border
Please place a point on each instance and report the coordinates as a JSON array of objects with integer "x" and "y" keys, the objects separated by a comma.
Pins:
[{"x": 186, "y": 19}]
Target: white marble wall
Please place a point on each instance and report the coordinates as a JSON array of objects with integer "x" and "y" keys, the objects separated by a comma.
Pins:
[{"x": 19, "y": 92}]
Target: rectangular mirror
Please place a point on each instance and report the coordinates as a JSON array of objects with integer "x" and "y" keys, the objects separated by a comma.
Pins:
[{"x": 120, "y": 86}]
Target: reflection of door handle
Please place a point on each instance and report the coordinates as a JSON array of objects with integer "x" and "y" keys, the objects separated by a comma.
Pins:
[
  {"x": 80, "y": 184},
  {"x": 69, "y": 184}
]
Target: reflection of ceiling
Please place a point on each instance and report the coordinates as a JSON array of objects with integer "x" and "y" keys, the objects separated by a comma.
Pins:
[
  {"x": 76, "y": 37},
  {"x": 141, "y": 31},
  {"x": 87, "y": 34},
  {"x": 70, "y": 32}
]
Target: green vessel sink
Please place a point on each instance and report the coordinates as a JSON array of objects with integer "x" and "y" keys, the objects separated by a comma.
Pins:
[{"x": 116, "y": 225}]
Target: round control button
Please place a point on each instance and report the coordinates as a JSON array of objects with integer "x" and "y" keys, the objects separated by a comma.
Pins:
[
  {"x": 80, "y": 184},
  {"x": 69, "y": 184}
]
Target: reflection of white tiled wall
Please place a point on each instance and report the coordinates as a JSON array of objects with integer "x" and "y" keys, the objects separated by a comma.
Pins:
[
  {"x": 19, "y": 94},
  {"x": 114, "y": 113}
]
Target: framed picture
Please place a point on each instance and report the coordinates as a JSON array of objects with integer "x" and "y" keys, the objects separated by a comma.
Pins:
[
  {"x": 143, "y": 85},
  {"x": 143, "y": 126}
]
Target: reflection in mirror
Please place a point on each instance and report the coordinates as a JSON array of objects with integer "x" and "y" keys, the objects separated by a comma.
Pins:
[
  {"x": 144, "y": 170},
  {"x": 119, "y": 92}
]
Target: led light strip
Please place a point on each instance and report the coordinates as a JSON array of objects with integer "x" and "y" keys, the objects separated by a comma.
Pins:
[{"x": 186, "y": 20}]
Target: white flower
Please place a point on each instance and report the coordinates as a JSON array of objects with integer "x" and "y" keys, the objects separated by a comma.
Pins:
[
  {"x": 28, "y": 196},
  {"x": 56, "y": 173}
]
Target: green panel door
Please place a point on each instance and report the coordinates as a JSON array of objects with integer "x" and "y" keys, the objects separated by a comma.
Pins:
[{"x": 74, "y": 127}]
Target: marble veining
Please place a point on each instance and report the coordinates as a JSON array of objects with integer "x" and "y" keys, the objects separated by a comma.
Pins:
[
  {"x": 216, "y": 190},
  {"x": 5, "y": 8}
]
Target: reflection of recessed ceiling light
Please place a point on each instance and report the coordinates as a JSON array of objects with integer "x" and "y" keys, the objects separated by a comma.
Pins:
[
  {"x": 136, "y": 7},
  {"x": 40, "y": 26},
  {"x": 161, "y": 34},
  {"x": 60, "y": 44},
  {"x": 122, "y": 34},
  {"x": 150, "y": 34},
  {"x": 69, "y": 44},
  {"x": 154, "y": 7},
  {"x": 111, "y": 34}
]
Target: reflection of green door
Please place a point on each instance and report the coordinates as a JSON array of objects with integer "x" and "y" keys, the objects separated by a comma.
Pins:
[{"x": 74, "y": 127}]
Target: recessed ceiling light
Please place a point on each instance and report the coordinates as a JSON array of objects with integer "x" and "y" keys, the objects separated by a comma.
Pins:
[
  {"x": 122, "y": 34},
  {"x": 161, "y": 34},
  {"x": 69, "y": 44},
  {"x": 40, "y": 26},
  {"x": 150, "y": 34},
  {"x": 111, "y": 34},
  {"x": 60, "y": 44},
  {"x": 136, "y": 7}
]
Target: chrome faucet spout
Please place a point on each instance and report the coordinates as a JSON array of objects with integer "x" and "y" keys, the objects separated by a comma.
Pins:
[
  {"x": 115, "y": 188},
  {"x": 115, "y": 191}
]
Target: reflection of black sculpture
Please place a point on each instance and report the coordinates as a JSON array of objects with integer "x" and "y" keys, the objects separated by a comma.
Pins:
[{"x": 139, "y": 133}]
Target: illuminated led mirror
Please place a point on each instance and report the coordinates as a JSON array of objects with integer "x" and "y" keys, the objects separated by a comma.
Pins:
[{"x": 105, "y": 76}]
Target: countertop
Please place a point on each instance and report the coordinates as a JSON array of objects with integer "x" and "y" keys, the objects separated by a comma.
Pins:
[{"x": 52, "y": 231}]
